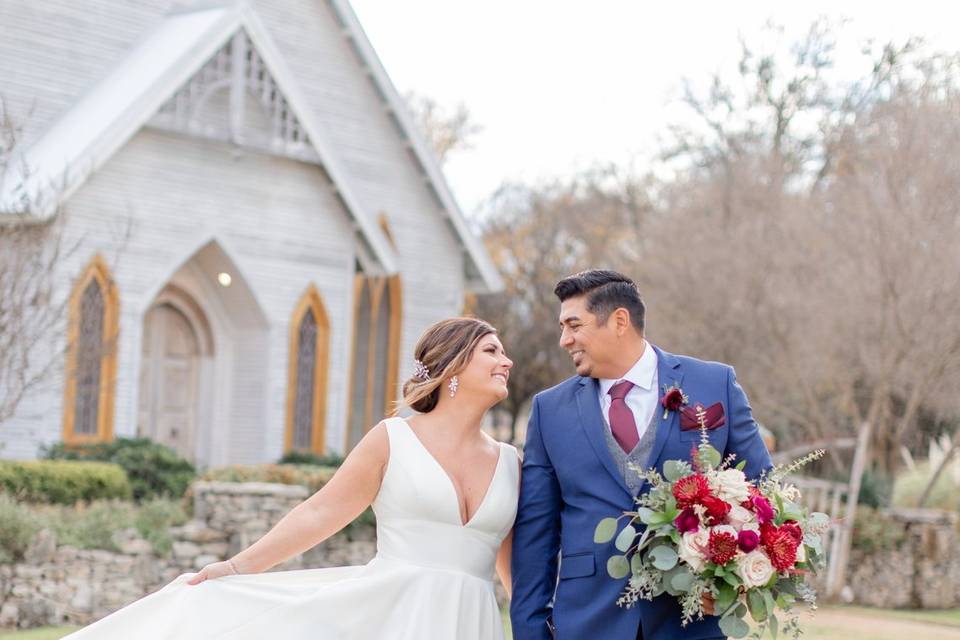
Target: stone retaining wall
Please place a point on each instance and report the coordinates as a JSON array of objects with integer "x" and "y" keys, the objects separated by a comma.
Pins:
[
  {"x": 923, "y": 572},
  {"x": 60, "y": 584}
]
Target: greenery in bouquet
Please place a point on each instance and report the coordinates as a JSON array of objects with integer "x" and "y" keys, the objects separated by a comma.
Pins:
[{"x": 704, "y": 529}]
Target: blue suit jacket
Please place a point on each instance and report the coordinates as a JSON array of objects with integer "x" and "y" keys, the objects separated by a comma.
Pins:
[{"x": 570, "y": 482}]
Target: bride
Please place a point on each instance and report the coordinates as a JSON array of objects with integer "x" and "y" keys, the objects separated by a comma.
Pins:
[{"x": 445, "y": 497}]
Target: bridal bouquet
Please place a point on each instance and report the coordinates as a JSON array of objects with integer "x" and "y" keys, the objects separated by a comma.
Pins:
[{"x": 704, "y": 529}]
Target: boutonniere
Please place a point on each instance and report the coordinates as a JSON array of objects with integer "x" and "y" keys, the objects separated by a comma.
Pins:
[{"x": 673, "y": 398}]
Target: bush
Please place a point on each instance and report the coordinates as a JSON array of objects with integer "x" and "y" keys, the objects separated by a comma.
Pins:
[
  {"x": 153, "y": 520},
  {"x": 910, "y": 484},
  {"x": 63, "y": 481},
  {"x": 310, "y": 476},
  {"x": 303, "y": 457},
  {"x": 86, "y": 526},
  {"x": 875, "y": 531},
  {"x": 18, "y": 525},
  {"x": 154, "y": 470}
]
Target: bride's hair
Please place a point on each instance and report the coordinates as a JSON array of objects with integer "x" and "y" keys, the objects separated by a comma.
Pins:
[{"x": 444, "y": 350}]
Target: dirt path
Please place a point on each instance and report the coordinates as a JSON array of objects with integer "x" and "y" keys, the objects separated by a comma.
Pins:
[{"x": 837, "y": 624}]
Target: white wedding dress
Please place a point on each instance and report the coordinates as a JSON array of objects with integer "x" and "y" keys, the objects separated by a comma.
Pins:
[{"x": 432, "y": 577}]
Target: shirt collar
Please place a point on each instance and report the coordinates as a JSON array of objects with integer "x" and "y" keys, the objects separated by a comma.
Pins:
[{"x": 640, "y": 374}]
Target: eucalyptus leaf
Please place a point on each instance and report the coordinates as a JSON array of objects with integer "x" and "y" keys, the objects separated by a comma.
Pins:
[
  {"x": 605, "y": 530},
  {"x": 734, "y": 627},
  {"x": 673, "y": 470},
  {"x": 726, "y": 595},
  {"x": 757, "y": 606},
  {"x": 645, "y": 514},
  {"x": 682, "y": 581},
  {"x": 774, "y": 626},
  {"x": 664, "y": 558},
  {"x": 636, "y": 563},
  {"x": 768, "y": 601},
  {"x": 731, "y": 579},
  {"x": 618, "y": 567},
  {"x": 710, "y": 456},
  {"x": 625, "y": 538}
]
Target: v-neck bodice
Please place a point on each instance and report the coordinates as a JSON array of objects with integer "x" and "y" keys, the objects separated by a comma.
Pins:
[{"x": 418, "y": 509}]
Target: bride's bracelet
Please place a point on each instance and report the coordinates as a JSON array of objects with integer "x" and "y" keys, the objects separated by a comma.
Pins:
[{"x": 233, "y": 566}]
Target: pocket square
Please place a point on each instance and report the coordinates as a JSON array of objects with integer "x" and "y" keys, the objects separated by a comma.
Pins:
[{"x": 713, "y": 417}]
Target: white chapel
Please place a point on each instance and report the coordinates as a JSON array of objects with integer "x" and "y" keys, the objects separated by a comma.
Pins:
[{"x": 260, "y": 232}]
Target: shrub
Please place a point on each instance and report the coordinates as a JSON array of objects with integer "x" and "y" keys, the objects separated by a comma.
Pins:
[
  {"x": 18, "y": 525},
  {"x": 875, "y": 531},
  {"x": 153, "y": 521},
  {"x": 89, "y": 526},
  {"x": 910, "y": 484},
  {"x": 86, "y": 526},
  {"x": 304, "y": 457},
  {"x": 63, "y": 481},
  {"x": 310, "y": 476},
  {"x": 154, "y": 470}
]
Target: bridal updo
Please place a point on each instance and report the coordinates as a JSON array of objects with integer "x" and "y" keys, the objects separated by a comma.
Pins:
[{"x": 444, "y": 350}]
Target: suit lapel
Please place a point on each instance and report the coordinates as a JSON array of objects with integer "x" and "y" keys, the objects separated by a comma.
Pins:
[
  {"x": 591, "y": 420},
  {"x": 668, "y": 374}
]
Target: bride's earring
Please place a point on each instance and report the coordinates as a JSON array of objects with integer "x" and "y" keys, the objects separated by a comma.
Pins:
[{"x": 452, "y": 385}]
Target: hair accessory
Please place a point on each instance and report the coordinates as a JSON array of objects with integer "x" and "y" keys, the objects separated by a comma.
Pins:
[{"x": 420, "y": 371}]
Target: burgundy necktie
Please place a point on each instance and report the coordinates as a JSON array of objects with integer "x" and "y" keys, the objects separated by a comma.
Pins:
[{"x": 622, "y": 424}]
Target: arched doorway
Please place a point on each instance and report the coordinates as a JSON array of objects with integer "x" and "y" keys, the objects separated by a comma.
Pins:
[{"x": 176, "y": 344}]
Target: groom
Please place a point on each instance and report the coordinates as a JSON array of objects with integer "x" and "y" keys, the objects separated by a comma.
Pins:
[{"x": 582, "y": 436}]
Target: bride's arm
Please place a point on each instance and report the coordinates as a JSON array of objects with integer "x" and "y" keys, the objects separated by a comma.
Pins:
[
  {"x": 351, "y": 490},
  {"x": 503, "y": 563},
  {"x": 504, "y": 556}
]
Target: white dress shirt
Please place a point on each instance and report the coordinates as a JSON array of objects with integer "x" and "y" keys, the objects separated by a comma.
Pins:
[{"x": 643, "y": 396}]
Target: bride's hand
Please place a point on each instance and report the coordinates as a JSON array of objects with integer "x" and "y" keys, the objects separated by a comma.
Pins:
[
  {"x": 709, "y": 603},
  {"x": 214, "y": 570}
]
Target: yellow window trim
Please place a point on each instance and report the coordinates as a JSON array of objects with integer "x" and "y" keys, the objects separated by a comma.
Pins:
[
  {"x": 99, "y": 271},
  {"x": 312, "y": 301}
]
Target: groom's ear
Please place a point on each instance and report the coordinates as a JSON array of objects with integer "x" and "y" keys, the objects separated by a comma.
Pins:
[{"x": 621, "y": 321}]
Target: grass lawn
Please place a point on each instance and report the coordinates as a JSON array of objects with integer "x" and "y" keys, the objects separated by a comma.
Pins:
[
  {"x": 829, "y": 623},
  {"x": 45, "y": 633}
]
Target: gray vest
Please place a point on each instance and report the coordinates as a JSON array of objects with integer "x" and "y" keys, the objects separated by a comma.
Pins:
[{"x": 639, "y": 456}]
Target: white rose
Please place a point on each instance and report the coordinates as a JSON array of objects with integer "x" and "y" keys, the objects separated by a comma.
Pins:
[
  {"x": 730, "y": 485},
  {"x": 693, "y": 547},
  {"x": 742, "y": 518},
  {"x": 754, "y": 569}
]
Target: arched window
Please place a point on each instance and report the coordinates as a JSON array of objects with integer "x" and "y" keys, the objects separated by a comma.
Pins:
[
  {"x": 91, "y": 356},
  {"x": 307, "y": 384},
  {"x": 375, "y": 358}
]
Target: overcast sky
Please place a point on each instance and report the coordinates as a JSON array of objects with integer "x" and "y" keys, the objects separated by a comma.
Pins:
[{"x": 560, "y": 85}]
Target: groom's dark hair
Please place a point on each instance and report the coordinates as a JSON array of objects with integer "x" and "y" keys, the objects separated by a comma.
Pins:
[{"x": 606, "y": 292}]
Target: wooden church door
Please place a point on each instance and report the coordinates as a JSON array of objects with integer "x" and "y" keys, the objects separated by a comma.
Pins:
[{"x": 168, "y": 380}]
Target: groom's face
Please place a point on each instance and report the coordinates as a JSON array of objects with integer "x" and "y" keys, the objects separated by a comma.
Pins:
[{"x": 591, "y": 345}]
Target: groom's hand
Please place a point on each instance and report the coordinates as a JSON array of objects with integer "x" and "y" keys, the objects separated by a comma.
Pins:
[{"x": 708, "y": 602}]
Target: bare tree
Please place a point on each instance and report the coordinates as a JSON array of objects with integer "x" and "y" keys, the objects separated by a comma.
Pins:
[
  {"x": 31, "y": 249},
  {"x": 446, "y": 131}
]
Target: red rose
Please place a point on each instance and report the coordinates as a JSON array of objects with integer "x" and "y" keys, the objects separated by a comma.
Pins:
[
  {"x": 782, "y": 549},
  {"x": 687, "y": 521},
  {"x": 717, "y": 509},
  {"x": 793, "y": 528},
  {"x": 690, "y": 490},
  {"x": 721, "y": 547},
  {"x": 672, "y": 400}
]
